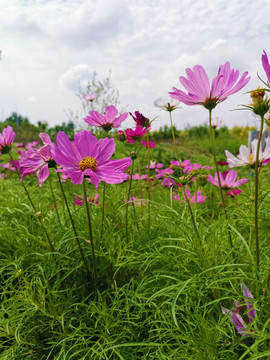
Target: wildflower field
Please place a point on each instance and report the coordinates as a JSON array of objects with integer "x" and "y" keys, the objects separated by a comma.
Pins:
[{"x": 117, "y": 246}]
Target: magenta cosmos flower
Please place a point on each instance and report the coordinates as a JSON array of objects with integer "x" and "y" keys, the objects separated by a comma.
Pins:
[
  {"x": 141, "y": 120},
  {"x": 151, "y": 144},
  {"x": 266, "y": 66},
  {"x": 235, "y": 317},
  {"x": 89, "y": 158},
  {"x": 107, "y": 121},
  {"x": 133, "y": 135},
  {"x": 79, "y": 200},
  {"x": 38, "y": 160},
  {"x": 228, "y": 180},
  {"x": 194, "y": 199},
  {"x": 198, "y": 86},
  {"x": 6, "y": 139}
]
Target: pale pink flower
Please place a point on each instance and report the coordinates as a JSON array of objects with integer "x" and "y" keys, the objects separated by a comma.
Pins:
[
  {"x": 198, "y": 86},
  {"x": 90, "y": 97}
]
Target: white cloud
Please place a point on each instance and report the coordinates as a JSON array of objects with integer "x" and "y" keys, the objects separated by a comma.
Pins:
[
  {"x": 148, "y": 44},
  {"x": 75, "y": 77}
]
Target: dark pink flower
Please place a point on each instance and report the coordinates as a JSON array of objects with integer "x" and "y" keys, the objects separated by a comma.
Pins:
[
  {"x": 233, "y": 192},
  {"x": 222, "y": 162},
  {"x": 133, "y": 135},
  {"x": 228, "y": 180},
  {"x": 107, "y": 121},
  {"x": 198, "y": 86},
  {"x": 6, "y": 139},
  {"x": 38, "y": 160},
  {"x": 266, "y": 66},
  {"x": 89, "y": 158},
  {"x": 141, "y": 120},
  {"x": 151, "y": 143}
]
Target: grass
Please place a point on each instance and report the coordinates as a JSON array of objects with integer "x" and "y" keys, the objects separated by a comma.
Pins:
[{"x": 159, "y": 294}]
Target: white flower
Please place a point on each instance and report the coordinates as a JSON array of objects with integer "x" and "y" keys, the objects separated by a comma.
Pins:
[
  {"x": 167, "y": 104},
  {"x": 216, "y": 122},
  {"x": 246, "y": 157}
]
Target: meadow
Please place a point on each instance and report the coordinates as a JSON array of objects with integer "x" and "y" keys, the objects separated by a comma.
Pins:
[{"x": 113, "y": 247}]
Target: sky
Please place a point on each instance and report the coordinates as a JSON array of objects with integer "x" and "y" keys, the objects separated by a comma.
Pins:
[{"x": 51, "y": 47}]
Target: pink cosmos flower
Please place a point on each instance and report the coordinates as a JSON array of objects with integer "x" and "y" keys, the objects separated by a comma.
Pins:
[
  {"x": 164, "y": 172},
  {"x": 151, "y": 144},
  {"x": 200, "y": 197},
  {"x": 12, "y": 165},
  {"x": 80, "y": 202},
  {"x": 38, "y": 160},
  {"x": 141, "y": 120},
  {"x": 198, "y": 86},
  {"x": 138, "y": 177},
  {"x": 154, "y": 165},
  {"x": 90, "y": 97},
  {"x": 6, "y": 138},
  {"x": 228, "y": 180},
  {"x": 134, "y": 200},
  {"x": 89, "y": 158},
  {"x": 188, "y": 168},
  {"x": 234, "y": 192},
  {"x": 133, "y": 135},
  {"x": 266, "y": 66},
  {"x": 32, "y": 144},
  {"x": 235, "y": 317},
  {"x": 169, "y": 182},
  {"x": 107, "y": 121}
]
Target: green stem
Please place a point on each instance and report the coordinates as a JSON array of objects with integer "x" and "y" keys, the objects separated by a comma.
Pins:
[
  {"x": 129, "y": 190},
  {"x": 218, "y": 176},
  {"x": 54, "y": 201},
  {"x": 174, "y": 142},
  {"x": 192, "y": 217},
  {"x": 33, "y": 206},
  {"x": 90, "y": 237},
  {"x": 148, "y": 180},
  {"x": 73, "y": 226},
  {"x": 256, "y": 197},
  {"x": 102, "y": 216}
]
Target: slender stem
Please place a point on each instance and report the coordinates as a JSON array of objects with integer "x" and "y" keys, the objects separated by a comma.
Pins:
[
  {"x": 102, "y": 215},
  {"x": 192, "y": 217},
  {"x": 129, "y": 189},
  {"x": 73, "y": 226},
  {"x": 90, "y": 237},
  {"x": 33, "y": 206},
  {"x": 256, "y": 197},
  {"x": 218, "y": 176},
  {"x": 54, "y": 201},
  {"x": 148, "y": 180},
  {"x": 140, "y": 184},
  {"x": 174, "y": 142}
]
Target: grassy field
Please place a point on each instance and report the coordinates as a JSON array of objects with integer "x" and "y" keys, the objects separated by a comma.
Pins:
[{"x": 160, "y": 290}]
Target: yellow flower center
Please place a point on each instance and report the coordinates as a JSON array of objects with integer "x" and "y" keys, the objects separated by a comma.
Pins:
[
  {"x": 250, "y": 158},
  {"x": 88, "y": 163}
]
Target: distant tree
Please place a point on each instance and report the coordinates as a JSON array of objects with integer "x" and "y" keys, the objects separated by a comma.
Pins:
[{"x": 106, "y": 95}]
